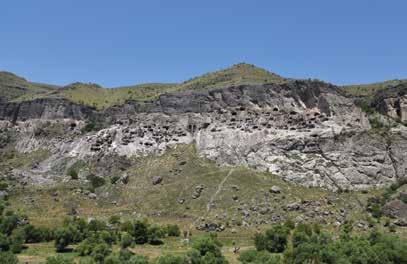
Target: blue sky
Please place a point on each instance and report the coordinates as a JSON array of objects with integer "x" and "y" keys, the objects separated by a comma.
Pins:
[{"x": 124, "y": 42}]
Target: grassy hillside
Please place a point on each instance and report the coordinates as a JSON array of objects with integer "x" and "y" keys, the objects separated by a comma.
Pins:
[
  {"x": 369, "y": 90},
  {"x": 182, "y": 170},
  {"x": 13, "y": 86},
  {"x": 101, "y": 98},
  {"x": 242, "y": 73}
]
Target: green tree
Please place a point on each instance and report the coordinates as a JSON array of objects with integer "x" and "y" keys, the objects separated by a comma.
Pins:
[
  {"x": 274, "y": 240},
  {"x": 63, "y": 237},
  {"x": 100, "y": 252}
]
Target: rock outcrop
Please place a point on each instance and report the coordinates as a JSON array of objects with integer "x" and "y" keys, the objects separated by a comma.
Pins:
[
  {"x": 393, "y": 102},
  {"x": 304, "y": 131},
  {"x": 49, "y": 108}
]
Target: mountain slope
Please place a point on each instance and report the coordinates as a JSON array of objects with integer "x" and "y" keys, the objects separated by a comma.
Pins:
[
  {"x": 101, "y": 98},
  {"x": 369, "y": 90},
  {"x": 13, "y": 86}
]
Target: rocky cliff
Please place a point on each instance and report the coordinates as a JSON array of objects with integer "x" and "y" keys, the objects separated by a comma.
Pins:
[{"x": 306, "y": 132}]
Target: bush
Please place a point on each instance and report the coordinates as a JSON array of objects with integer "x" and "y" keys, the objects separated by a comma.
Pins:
[
  {"x": 126, "y": 240},
  {"x": 155, "y": 233},
  {"x": 63, "y": 237},
  {"x": 35, "y": 235},
  {"x": 8, "y": 258},
  {"x": 207, "y": 249},
  {"x": 171, "y": 259},
  {"x": 8, "y": 223},
  {"x": 16, "y": 242},
  {"x": 4, "y": 242},
  {"x": 259, "y": 257},
  {"x": 100, "y": 252},
  {"x": 140, "y": 232},
  {"x": 58, "y": 259},
  {"x": 274, "y": 240},
  {"x": 114, "y": 220},
  {"x": 73, "y": 173},
  {"x": 95, "y": 181},
  {"x": 173, "y": 231}
]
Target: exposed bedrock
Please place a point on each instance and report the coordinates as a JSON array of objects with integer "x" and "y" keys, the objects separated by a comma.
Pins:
[{"x": 304, "y": 131}]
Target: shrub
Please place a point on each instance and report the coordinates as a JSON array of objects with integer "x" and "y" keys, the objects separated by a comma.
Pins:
[
  {"x": 274, "y": 240},
  {"x": 207, "y": 249},
  {"x": 8, "y": 223},
  {"x": 63, "y": 237},
  {"x": 140, "y": 232},
  {"x": 259, "y": 257},
  {"x": 171, "y": 259},
  {"x": 173, "y": 230},
  {"x": 114, "y": 220},
  {"x": 35, "y": 235},
  {"x": 73, "y": 173},
  {"x": 100, "y": 252},
  {"x": 4, "y": 242},
  {"x": 58, "y": 259},
  {"x": 126, "y": 240},
  {"x": 16, "y": 242},
  {"x": 155, "y": 233},
  {"x": 8, "y": 258},
  {"x": 95, "y": 181}
]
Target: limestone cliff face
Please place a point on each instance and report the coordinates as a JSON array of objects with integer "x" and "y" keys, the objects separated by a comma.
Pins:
[
  {"x": 393, "y": 102},
  {"x": 303, "y": 131},
  {"x": 50, "y": 108}
]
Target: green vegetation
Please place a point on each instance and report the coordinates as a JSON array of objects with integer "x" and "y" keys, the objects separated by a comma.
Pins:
[
  {"x": 238, "y": 74},
  {"x": 12, "y": 87},
  {"x": 369, "y": 90},
  {"x": 100, "y": 98},
  {"x": 309, "y": 244}
]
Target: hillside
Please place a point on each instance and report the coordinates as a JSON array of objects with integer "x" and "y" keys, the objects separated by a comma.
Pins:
[
  {"x": 370, "y": 90},
  {"x": 238, "y": 74},
  {"x": 230, "y": 153},
  {"x": 13, "y": 87},
  {"x": 101, "y": 98}
]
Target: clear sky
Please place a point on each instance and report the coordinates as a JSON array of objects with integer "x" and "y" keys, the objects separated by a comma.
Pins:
[{"x": 120, "y": 42}]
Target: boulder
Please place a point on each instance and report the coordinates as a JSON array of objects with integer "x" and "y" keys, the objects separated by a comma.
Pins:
[{"x": 275, "y": 189}]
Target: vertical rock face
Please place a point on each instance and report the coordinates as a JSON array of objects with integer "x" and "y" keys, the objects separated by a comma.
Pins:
[
  {"x": 393, "y": 102},
  {"x": 303, "y": 131},
  {"x": 43, "y": 109}
]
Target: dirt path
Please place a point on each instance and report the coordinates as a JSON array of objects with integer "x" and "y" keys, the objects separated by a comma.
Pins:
[{"x": 208, "y": 206}]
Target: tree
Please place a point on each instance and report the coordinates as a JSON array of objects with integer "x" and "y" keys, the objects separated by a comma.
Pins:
[
  {"x": 100, "y": 252},
  {"x": 140, "y": 232},
  {"x": 274, "y": 240},
  {"x": 63, "y": 237},
  {"x": 207, "y": 249},
  {"x": 4, "y": 242},
  {"x": 16, "y": 241}
]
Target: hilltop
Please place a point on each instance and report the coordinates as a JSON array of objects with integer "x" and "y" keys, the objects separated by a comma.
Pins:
[{"x": 18, "y": 89}]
